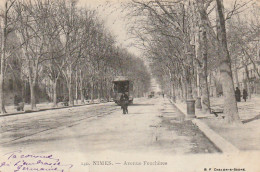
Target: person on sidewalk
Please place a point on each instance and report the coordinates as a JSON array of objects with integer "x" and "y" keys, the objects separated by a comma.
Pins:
[
  {"x": 245, "y": 94},
  {"x": 66, "y": 100},
  {"x": 124, "y": 100},
  {"x": 238, "y": 94},
  {"x": 18, "y": 103}
]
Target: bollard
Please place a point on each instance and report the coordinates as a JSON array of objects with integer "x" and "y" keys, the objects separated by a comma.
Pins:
[
  {"x": 198, "y": 103},
  {"x": 191, "y": 108}
]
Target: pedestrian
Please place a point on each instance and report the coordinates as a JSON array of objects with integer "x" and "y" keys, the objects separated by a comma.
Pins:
[
  {"x": 124, "y": 100},
  {"x": 238, "y": 94},
  {"x": 18, "y": 103},
  {"x": 66, "y": 100},
  {"x": 244, "y": 94},
  {"x": 16, "y": 100}
]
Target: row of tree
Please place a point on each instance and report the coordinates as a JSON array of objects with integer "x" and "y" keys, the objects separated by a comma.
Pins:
[
  {"x": 189, "y": 41},
  {"x": 56, "y": 42}
]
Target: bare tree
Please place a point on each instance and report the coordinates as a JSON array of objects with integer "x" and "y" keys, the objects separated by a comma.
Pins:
[
  {"x": 203, "y": 64},
  {"x": 230, "y": 104},
  {"x": 33, "y": 31},
  {"x": 7, "y": 26}
]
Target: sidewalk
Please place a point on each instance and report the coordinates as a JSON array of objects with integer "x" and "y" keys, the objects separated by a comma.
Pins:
[
  {"x": 43, "y": 107},
  {"x": 245, "y": 137}
]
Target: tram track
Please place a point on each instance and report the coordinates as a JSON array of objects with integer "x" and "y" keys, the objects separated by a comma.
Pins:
[
  {"x": 66, "y": 123},
  {"x": 9, "y": 119}
]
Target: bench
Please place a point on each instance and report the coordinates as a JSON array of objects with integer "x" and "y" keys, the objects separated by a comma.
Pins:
[
  {"x": 216, "y": 111},
  {"x": 64, "y": 103},
  {"x": 89, "y": 101}
]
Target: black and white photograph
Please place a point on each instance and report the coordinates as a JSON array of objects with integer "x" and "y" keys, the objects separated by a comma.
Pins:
[{"x": 129, "y": 85}]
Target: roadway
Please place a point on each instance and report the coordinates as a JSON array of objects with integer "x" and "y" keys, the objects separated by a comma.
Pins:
[
  {"x": 151, "y": 125},
  {"x": 85, "y": 136}
]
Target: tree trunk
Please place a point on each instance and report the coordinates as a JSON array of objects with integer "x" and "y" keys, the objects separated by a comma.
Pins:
[
  {"x": 209, "y": 84},
  {"x": 2, "y": 62},
  {"x": 81, "y": 88},
  {"x": 55, "y": 93},
  {"x": 198, "y": 64},
  {"x": 230, "y": 104},
  {"x": 101, "y": 89},
  {"x": 189, "y": 87},
  {"x": 108, "y": 93},
  {"x": 173, "y": 93},
  {"x": 215, "y": 87},
  {"x": 180, "y": 92},
  {"x": 81, "y": 95},
  {"x": 50, "y": 90},
  {"x": 236, "y": 75},
  {"x": 24, "y": 91},
  {"x": 76, "y": 86},
  {"x": 247, "y": 84},
  {"x": 198, "y": 54},
  {"x": 194, "y": 85},
  {"x": 205, "y": 103},
  {"x": 184, "y": 90},
  {"x": 92, "y": 90},
  {"x": 71, "y": 100},
  {"x": 2, "y": 105},
  {"x": 204, "y": 47},
  {"x": 198, "y": 100},
  {"x": 32, "y": 93},
  {"x": 98, "y": 91}
]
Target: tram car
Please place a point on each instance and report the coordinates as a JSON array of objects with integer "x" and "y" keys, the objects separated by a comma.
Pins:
[{"x": 122, "y": 85}]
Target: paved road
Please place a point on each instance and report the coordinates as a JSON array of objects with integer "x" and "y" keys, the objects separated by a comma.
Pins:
[{"x": 152, "y": 125}]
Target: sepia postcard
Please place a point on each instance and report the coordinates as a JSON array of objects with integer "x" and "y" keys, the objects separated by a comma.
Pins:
[{"x": 129, "y": 85}]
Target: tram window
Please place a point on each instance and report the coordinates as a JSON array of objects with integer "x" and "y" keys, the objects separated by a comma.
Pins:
[
  {"x": 131, "y": 86},
  {"x": 126, "y": 88},
  {"x": 115, "y": 87},
  {"x": 121, "y": 87}
]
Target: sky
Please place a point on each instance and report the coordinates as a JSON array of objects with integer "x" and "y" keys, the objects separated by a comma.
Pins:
[{"x": 111, "y": 12}]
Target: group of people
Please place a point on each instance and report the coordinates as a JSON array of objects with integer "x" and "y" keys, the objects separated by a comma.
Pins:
[{"x": 238, "y": 94}]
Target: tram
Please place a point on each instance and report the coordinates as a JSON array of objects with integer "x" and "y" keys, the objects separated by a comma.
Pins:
[{"x": 122, "y": 85}]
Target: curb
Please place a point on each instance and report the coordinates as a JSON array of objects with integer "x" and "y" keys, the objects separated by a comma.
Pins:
[
  {"x": 45, "y": 109},
  {"x": 222, "y": 144}
]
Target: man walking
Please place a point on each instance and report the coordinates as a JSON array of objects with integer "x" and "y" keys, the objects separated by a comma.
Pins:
[
  {"x": 244, "y": 94},
  {"x": 238, "y": 94},
  {"x": 124, "y": 100}
]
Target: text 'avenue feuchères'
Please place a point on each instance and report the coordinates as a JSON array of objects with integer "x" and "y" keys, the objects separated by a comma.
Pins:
[{"x": 145, "y": 163}]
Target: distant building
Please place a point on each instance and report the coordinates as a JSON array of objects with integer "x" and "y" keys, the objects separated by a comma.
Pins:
[{"x": 253, "y": 76}]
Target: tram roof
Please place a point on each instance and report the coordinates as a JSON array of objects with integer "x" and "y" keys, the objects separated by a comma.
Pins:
[{"x": 121, "y": 78}]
